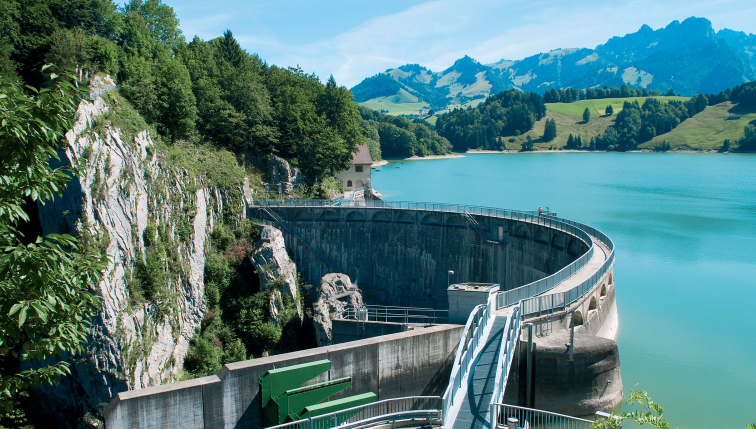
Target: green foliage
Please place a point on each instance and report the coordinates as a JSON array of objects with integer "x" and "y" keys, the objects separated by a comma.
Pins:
[
  {"x": 663, "y": 146},
  {"x": 400, "y": 137},
  {"x": 527, "y": 145},
  {"x": 45, "y": 298},
  {"x": 549, "y": 131},
  {"x": 650, "y": 413},
  {"x": 505, "y": 114},
  {"x": 748, "y": 142},
  {"x": 586, "y": 115},
  {"x": 725, "y": 146},
  {"x": 636, "y": 124},
  {"x": 609, "y": 110}
]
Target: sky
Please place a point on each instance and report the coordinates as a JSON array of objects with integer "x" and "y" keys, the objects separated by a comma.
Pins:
[{"x": 352, "y": 39}]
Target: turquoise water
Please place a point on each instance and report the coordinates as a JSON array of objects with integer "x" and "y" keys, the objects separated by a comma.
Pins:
[{"x": 685, "y": 230}]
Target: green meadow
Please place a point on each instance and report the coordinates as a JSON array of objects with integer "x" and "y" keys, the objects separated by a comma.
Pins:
[{"x": 598, "y": 106}]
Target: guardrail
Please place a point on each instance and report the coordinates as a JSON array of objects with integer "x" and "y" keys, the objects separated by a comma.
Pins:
[
  {"x": 504, "y": 298},
  {"x": 463, "y": 359},
  {"x": 385, "y": 313},
  {"x": 536, "y": 306},
  {"x": 411, "y": 407},
  {"x": 509, "y": 341},
  {"x": 529, "y": 417}
]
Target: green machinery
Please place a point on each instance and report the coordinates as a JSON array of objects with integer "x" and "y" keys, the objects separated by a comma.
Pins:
[{"x": 284, "y": 400}]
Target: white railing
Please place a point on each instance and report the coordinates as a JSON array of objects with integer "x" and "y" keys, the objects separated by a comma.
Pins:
[
  {"x": 529, "y": 417},
  {"x": 411, "y": 407},
  {"x": 463, "y": 359},
  {"x": 509, "y": 339}
]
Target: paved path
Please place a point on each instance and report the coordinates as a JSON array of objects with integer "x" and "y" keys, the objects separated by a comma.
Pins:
[
  {"x": 600, "y": 252},
  {"x": 480, "y": 383}
]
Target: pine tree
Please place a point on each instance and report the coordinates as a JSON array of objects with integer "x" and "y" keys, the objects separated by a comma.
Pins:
[
  {"x": 570, "y": 142},
  {"x": 586, "y": 115},
  {"x": 549, "y": 131},
  {"x": 609, "y": 110}
]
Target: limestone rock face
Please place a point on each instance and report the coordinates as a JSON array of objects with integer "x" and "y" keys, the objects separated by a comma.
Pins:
[
  {"x": 281, "y": 172},
  {"x": 124, "y": 186},
  {"x": 271, "y": 261},
  {"x": 335, "y": 292}
]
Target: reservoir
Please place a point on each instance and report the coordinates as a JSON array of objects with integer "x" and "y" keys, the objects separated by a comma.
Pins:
[{"x": 684, "y": 226}]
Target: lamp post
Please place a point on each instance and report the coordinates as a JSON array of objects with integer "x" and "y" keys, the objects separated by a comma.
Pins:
[{"x": 448, "y": 277}]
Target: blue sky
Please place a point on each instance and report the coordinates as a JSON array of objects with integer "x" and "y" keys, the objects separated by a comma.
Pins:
[{"x": 354, "y": 39}]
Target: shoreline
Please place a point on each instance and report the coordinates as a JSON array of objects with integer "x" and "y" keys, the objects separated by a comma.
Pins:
[
  {"x": 708, "y": 151},
  {"x": 379, "y": 163},
  {"x": 420, "y": 158}
]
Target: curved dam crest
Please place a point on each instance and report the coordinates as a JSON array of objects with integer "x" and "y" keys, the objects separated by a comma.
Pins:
[{"x": 397, "y": 256}]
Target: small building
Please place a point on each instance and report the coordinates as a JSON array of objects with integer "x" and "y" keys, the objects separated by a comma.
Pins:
[{"x": 358, "y": 174}]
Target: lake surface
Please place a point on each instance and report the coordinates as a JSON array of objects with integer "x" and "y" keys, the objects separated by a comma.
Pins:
[{"x": 685, "y": 230}]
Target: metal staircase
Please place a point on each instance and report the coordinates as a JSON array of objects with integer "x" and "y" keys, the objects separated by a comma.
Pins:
[
  {"x": 276, "y": 218},
  {"x": 479, "y": 229}
]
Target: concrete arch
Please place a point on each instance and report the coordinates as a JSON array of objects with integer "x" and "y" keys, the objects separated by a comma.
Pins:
[
  {"x": 405, "y": 217},
  {"x": 557, "y": 241},
  {"x": 359, "y": 184},
  {"x": 603, "y": 290},
  {"x": 329, "y": 215},
  {"x": 430, "y": 219},
  {"x": 521, "y": 232},
  {"x": 381, "y": 217},
  {"x": 593, "y": 304},
  {"x": 354, "y": 216},
  {"x": 455, "y": 221},
  {"x": 540, "y": 236},
  {"x": 572, "y": 247},
  {"x": 577, "y": 318},
  {"x": 304, "y": 215}
]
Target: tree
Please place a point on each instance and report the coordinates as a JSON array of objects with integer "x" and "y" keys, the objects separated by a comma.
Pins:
[
  {"x": 527, "y": 145},
  {"x": 725, "y": 146},
  {"x": 570, "y": 142},
  {"x": 609, "y": 110},
  {"x": 45, "y": 297},
  {"x": 649, "y": 413},
  {"x": 748, "y": 141},
  {"x": 586, "y": 115},
  {"x": 549, "y": 131}
]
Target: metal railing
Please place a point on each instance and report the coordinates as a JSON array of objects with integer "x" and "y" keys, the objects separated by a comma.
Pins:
[
  {"x": 384, "y": 313},
  {"x": 411, "y": 407},
  {"x": 537, "y": 306},
  {"x": 529, "y": 417},
  {"x": 505, "y": 298},
  {"x": 463, "y": 359},
  {"x": 509, "y": 339}
]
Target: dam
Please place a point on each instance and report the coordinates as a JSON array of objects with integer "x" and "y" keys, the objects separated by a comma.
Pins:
[{"x": 554, "y": 277}]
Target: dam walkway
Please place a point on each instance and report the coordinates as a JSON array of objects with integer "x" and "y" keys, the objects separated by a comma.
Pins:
[{"x": 488, "y": 373}]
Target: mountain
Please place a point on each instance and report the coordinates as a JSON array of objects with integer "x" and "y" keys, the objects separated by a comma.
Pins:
[{"x": 688, "y": 56}]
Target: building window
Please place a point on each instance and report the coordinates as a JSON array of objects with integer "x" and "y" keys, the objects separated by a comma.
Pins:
[
  {"x": 349, "y": 183},
  {"x": 358, "y": 168}
]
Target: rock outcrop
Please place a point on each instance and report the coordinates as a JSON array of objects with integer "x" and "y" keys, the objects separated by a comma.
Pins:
[
  {"x": 125, "y": 186},
  {"x": 272, "y": 262},
  {"x": 335, "y": 292},
  {"x": 281, "y": 172}
]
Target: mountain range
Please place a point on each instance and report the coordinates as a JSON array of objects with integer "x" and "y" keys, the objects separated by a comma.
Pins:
[{"x": 688, "y": 57}]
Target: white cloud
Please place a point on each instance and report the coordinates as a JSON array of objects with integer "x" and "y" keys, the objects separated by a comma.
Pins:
[{"x": 438, "y": 32}]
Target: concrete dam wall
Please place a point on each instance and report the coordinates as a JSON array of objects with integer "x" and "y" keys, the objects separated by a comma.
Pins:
[{"x": 401, "y": 256}]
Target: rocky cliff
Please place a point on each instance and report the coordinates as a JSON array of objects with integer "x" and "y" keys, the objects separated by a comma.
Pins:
[{"x": 152, "y": 216}]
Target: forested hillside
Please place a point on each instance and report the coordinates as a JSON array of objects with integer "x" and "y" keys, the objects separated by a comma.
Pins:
[{"x": 508, "y": 113}]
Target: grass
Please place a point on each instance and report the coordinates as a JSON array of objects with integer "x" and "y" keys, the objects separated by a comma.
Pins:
[
  {"x": 566, "y": 124},
  {"x": 597, "y": 107},
  {"x": 395, "y": 104},
  {"x": 432, "y": 120},
  {"x": 708, "y": 129}
]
